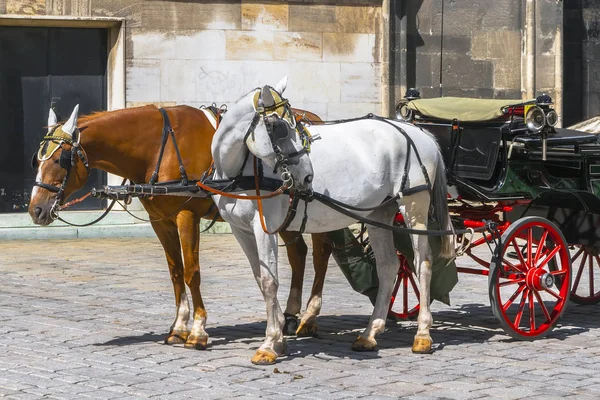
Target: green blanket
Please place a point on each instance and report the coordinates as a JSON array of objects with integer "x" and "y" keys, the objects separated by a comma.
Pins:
[
  {"x": 462, "y": 109},
  {"x": 360, "y": 270}
]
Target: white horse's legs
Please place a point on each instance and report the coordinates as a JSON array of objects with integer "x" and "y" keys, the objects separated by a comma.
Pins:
[
  {"x": 261, "y": 250},
  {"x": 382, "y": 242},
  {"x": 416, "y": 216}
]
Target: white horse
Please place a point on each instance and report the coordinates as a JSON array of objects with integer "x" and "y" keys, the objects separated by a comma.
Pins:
[{"x": 360, "y": 163}]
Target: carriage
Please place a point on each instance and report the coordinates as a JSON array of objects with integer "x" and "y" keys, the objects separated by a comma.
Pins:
[
  {"x": 534, "y": 186},
  {"x": 527, "y": 188}
]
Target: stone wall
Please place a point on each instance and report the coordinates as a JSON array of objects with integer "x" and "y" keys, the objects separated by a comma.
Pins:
[
  {"x": 582, "y": 60},
  {"x": 483, "y": 53},
  {"x": 200, "y": 52}
]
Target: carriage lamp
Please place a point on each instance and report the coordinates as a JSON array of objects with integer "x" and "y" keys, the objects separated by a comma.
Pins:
[
  {"x": 403, "y": 112},
  {"x": 412, "y": 94},
  {"x": 552, "y": 118},
  {"x": 544, "y": 100},
  {"x": 535, "y": 119}
]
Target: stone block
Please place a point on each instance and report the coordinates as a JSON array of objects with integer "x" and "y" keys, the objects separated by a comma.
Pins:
[
  {"x": 313, "y": 82},
  {"x": 455, "y": 44},
  {"x": 545, "y": 45},
  {"x": 246, "y": 45},
  {"x": 143, "y": 80},
  {"x": 360, "y": 82},
  {"x": 504, "y": 44},
  {"x": 348, "y": 47},
  {"x": 200, "y": 45},
  {"x": 26, "y": 7},
  {"x": 484, "y": 93},
  {"x": 358, "y": 19},
  {"x": 223, "y": 81},
  {"x": 351, "y": 110},
  {"x": 507, "y": 74},
  {"x": 462, "y": 72},
  {"x": 305, "y": 46},
  {"x": 152, "y": 44},
  {"x": 191, "y": 15},
  {"x": 130, "y": 9},
  {"x": 479, "y": 45},
  {"x": 507, "y": 94},
  {"x": 500, "y": 14},
  {"x": 423, "y": 70},
  {"x": 264, "y": 16},
  {"x": 219, "y": 81},
  {"x": 178, "y": 80},
  {"x": 545, "y": 72},
  {"x": 312, "y": 18}
]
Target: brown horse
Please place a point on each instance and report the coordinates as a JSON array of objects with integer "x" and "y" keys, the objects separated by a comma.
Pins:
[{"x": 127, "y": 143}]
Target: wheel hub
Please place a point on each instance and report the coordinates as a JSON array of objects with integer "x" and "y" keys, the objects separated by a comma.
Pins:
[{"x": 539, "y": 279}]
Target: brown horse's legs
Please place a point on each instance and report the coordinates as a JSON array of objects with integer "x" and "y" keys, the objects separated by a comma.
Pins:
[
  {"x": 321, "y": 252},
  {"x": 188, "y": 224},
  {"x": 296, "y": 251},
  {"x": 169, "y": 238}
]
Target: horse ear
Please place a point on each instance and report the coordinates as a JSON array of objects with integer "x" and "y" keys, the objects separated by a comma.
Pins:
[
  {"x": 280, "y": 87},
  {"x": 52, "y": 120},
  {"x": 267, "y": 97},
  {"x": 71, "y": 124}
]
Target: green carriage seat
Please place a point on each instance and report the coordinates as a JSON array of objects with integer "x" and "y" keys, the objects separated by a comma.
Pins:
[{"x": 472, "y": 153}]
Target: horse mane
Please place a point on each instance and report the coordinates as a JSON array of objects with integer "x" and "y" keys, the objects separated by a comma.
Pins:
[{"x": 85, "y": 120}]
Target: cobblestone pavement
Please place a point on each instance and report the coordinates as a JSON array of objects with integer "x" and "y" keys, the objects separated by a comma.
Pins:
[{"x": 86, "y": 318}]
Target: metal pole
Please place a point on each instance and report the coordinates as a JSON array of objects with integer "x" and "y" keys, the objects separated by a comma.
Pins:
[{"x": 442, "y": 50}]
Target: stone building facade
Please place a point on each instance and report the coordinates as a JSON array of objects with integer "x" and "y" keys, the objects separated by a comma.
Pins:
[
  {"x": 344, "y": 58},
  {"x": 200, "y": 52}
]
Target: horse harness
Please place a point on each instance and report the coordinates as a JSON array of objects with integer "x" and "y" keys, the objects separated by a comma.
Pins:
[{"x": 53, "y": 141}]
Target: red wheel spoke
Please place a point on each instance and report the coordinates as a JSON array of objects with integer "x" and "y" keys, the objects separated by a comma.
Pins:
[
  {"x": 579, "y": 272},
  {"x": 519, "y": 315},
  {"x": 405, "y": 294},
  {"x": 553, "y": 293},
  {"x": 531, "y": 312},
  {"x": 512, "y": 282},
  {"x": 414, "y": 285},
  {"x": 520, "y": 254},
  {"x": 543, "y": 306},
  {"x": 529, "y": 244},
  {"x": 592, "y": 291},
  {"x": 509, "y": 302},
  {"x": 541, "y": 247},
  {"x": 549, "y": 257}
]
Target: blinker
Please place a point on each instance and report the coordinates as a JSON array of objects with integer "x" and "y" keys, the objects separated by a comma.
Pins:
[
  {"x": 280, "y": 130},
  {"x": 65, "y": 159}
]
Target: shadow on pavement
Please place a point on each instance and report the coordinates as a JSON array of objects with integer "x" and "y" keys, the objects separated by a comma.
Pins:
[{"x": 467, "y": 324}]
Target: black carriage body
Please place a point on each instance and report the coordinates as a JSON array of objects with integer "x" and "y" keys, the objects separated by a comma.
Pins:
[{"x": 500, "y": 160}]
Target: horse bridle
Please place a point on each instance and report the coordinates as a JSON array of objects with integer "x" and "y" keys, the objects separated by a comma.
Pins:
[
  {"x": 278, "y": 130},
  {"x": 66, "y": 161}
]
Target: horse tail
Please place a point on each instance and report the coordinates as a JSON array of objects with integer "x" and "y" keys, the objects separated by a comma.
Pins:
[{"x": 439, "y": 199}]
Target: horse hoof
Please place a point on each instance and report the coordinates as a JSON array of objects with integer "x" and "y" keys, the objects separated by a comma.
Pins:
[
  {"x": 422, "y": 346},
  {"x": 308, "y": 328},
  {"x": 362, "y": 344},
  {"x": 176, "y": 337},
  {"x": 264, "y": 357},
  {"x": 291, "y": 325},
  {"x": 196, "y": 342}
]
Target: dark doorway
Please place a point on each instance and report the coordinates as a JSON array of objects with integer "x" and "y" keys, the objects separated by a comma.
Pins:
[
  {"x": 40, "y": 68},
  {"x": 581, "y": 60}
]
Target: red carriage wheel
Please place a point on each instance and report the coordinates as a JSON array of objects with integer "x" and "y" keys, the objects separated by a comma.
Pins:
[
  {"x": 405, "y": 297},
  {"x": 586, "y": 275},
  {"x": 529, "y": 292}
]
